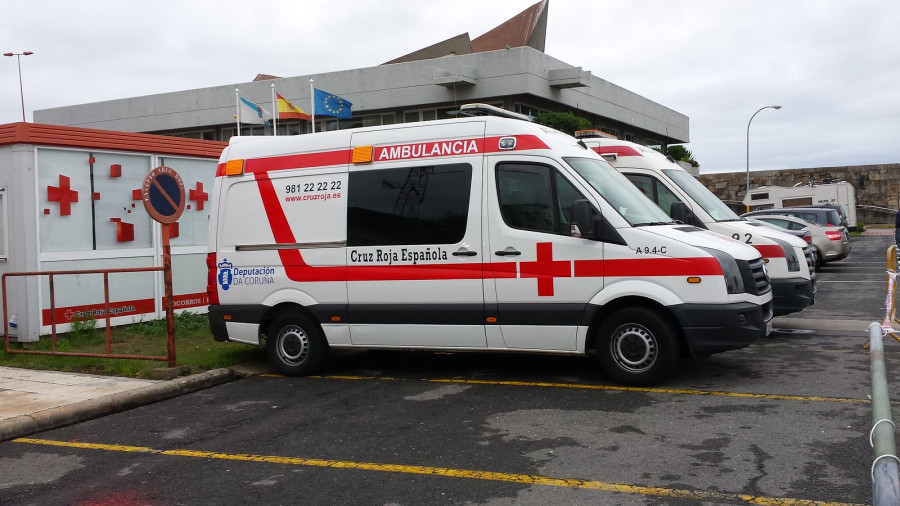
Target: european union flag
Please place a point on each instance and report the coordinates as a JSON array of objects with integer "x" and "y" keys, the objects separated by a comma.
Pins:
[{"x": 329, "y": 104}]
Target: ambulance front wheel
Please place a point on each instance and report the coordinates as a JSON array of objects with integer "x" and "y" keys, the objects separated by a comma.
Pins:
[
  {"x": 296, "y": 345},
  {"x": 638, "y": 346}
]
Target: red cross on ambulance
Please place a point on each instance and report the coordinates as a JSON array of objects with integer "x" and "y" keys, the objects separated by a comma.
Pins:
[{"x": 545, "y": 269}]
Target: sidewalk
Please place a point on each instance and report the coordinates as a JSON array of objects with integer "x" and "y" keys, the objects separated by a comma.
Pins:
[
  {"x": 878, "y": 231},
  {"x": 33, "y": 401}
]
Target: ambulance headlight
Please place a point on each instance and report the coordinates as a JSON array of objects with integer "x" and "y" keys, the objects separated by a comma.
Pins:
[
  {"x": 793, "y": 263},
  {"x": 734, "y": 281}
]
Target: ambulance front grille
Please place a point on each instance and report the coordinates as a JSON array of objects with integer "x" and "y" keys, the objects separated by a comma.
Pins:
[
  {"x": 753, "y": 272},
  {"x": 810, "y": 253}
]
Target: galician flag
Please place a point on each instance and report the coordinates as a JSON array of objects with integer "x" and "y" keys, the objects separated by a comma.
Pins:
[{"x": 252, "y": 113}]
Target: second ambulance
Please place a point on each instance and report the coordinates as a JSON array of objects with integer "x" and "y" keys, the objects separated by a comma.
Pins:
[
  {"x": 789, "y": 259},
  {"x": 470, "y": 234}
]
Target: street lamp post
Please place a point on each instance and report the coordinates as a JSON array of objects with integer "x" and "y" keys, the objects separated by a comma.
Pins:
[
  {"x": 748, "y": 147},
  {"x": 19, "y": 62}
]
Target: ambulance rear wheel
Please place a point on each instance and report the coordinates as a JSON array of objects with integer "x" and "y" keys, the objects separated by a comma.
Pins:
[
  {"x": 638, "y": 347},
  {"x": 296, "y": 345}
]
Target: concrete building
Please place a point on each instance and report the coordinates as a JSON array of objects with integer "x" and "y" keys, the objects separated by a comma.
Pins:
[{"x": 505, "y": 67}]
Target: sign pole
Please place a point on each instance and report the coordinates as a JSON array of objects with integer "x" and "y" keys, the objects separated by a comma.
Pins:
[
  {"x": 163, "y": 194},
  {"x": 167, "y": 281}
]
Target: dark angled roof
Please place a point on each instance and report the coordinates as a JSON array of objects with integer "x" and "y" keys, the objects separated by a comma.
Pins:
[
  {"x": 528, "y": 28},
  {"x": 452, "y": 46}
]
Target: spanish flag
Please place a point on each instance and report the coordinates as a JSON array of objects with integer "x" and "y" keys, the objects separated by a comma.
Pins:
[{"x": 287, "y": 110}]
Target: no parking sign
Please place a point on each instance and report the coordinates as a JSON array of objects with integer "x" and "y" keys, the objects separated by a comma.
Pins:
[{"x": 163, "y": 194}]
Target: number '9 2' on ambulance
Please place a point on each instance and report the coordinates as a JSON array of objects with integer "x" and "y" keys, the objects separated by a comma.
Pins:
[{"x": 471, "y": 234}]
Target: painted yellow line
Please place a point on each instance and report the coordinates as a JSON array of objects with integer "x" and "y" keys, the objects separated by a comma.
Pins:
[
  {"x": 526, "y": 479},
  {"x": 615, "y": 388}
]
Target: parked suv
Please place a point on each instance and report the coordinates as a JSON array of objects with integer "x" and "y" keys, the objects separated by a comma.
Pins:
[
  {"x": 824, "y": 216},
  {"x": 839, "y": 209}
]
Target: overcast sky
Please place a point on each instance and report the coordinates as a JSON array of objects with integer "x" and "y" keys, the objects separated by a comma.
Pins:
[{"x": 834, "y": 65}]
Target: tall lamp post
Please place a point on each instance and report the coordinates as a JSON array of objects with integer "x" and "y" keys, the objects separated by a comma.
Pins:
[
  {"x": 19, "y": 62},
  {"x": 748, "y": 146}
]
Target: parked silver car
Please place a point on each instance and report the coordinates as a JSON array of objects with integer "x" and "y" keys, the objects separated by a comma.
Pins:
[
  {"x": 831, "y": 242},
  {"x": 823, "y": 216}
]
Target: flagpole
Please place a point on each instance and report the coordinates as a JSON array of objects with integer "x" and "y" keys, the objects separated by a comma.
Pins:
[
  {"x": 312, "y": 103},
  {"x": 237, "y": 103},
  {"x": 274, "y": 113}
]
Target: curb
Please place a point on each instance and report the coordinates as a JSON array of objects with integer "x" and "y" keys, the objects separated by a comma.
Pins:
[
  {"x": 811, "y": 324},
  {"x": 94, "y": 408}
]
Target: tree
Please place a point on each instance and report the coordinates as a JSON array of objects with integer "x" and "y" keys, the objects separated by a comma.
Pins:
[
  {"x": 563, "y": 121},
  {"x": 680, "y": 153}
]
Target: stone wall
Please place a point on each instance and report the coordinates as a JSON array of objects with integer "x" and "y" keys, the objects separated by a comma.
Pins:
[{"x": 877, "y": 186}]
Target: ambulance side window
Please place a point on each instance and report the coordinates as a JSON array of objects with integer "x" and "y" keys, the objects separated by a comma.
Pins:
[
  {"x": 656, "y": 191},
  {"x": 419, "y": 205},
  {"x": 535, "y": 197}
]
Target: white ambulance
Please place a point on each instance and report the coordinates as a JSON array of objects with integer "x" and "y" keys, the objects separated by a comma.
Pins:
[
  {"x": 789, "y": 259},
  {"x": 479, "y": 234}
]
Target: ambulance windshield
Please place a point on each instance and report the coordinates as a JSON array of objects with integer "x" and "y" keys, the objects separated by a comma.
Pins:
[
  {"x": 621, "y": 194},
  {"x": 702, "y": 196}
]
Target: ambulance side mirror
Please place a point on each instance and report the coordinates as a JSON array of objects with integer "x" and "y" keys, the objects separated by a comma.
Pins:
[
  {"x": 679, "y": 211},
  {"x": 584, "y": 220}
]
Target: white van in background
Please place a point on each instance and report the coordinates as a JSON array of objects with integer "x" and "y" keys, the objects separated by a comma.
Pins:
[
  {"x": 478, "y": 234},
  {"x": 837, "y": 194},
  {"x": 789, "y": 259}
]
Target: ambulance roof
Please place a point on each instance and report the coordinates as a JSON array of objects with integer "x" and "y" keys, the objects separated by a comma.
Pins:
[
  {"x": 420, "y": 132},
  {"x": 629, "y": 154}
]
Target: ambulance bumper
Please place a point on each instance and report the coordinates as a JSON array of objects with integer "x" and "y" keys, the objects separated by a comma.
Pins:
[
  {"x": 792, "y": 295},
  {"x": 714, "y": 328},
  {"x": 249, "y": 313}
]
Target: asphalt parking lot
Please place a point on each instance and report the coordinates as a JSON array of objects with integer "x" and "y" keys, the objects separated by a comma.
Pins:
[{"x": 784, "y": 421}]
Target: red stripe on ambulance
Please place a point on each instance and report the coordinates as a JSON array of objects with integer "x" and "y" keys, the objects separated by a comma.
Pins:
[
  {"x": 617, "y": 150},
  {"x": 769, "y": 250}
]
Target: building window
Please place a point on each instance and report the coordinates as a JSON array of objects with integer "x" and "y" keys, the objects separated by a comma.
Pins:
[
  {"x": 418, "y": 205},
  {"x": 611, "y": 131},
  {"x": 87, "y": 201},
  {"x": 206, "y": 135},
  {"x": 429, "y": 114},
  {"x": 629, "y": 137},
  {"x": 230, "y": 132},
  {"x": 293, "y": 128},
  {"x": 528, "y": 110}
]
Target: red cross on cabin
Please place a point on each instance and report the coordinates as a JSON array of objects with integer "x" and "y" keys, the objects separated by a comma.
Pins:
[
  {"x": 62, "y": 194},
  {"x": 545, "y": 269},
  {"x": 199, "y": 196}
]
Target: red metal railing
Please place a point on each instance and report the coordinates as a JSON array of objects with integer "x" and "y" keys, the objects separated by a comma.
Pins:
[{"x": 170, "y": 339}]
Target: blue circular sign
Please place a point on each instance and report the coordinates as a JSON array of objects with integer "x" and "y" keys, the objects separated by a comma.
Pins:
[{"x": 163, "y": 194}]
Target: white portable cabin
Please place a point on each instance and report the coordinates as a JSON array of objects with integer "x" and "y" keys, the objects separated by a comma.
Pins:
[
  {"x": 70, "y": 199},
  {"x": 810, "y": 194}
]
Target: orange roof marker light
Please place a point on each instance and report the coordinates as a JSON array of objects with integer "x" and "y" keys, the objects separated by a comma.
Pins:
[{"x": 363, "y": 154}]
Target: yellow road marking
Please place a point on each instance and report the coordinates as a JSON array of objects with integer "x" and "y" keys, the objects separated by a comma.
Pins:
[
  {"x": 585, "y": 386},
  {"x": 527, "y": 479}
]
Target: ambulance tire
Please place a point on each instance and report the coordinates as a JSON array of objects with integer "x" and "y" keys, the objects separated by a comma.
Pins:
[
  {"x": 296, "y": 345},
  {"x": 637, "y": 347}
]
